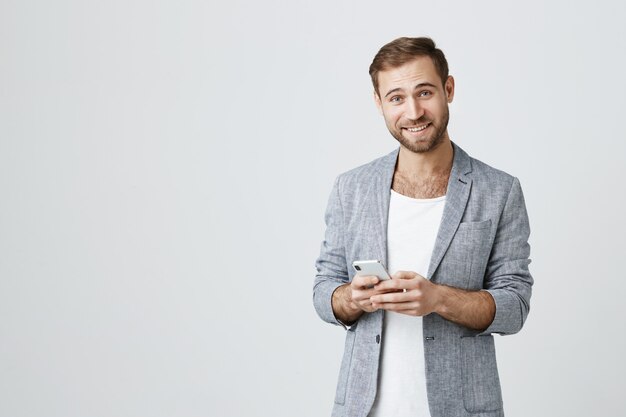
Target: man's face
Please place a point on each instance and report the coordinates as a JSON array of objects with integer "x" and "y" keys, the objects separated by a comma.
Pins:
[{"x": 414, "y": 103}]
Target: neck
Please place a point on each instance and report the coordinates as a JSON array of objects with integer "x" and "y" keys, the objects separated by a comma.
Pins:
[{"x": 425, "y": 164}]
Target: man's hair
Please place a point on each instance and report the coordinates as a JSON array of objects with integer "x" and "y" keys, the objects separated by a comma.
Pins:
[{"x": 402, "y": 50}]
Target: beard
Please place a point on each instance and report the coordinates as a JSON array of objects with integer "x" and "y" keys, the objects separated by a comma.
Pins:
[{"x": 427, "y": 143}]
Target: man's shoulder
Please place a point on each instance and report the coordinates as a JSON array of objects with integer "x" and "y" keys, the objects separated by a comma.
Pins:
[
  {"x": 488, "y": 177},
  {"x": 482, "y": 169}
]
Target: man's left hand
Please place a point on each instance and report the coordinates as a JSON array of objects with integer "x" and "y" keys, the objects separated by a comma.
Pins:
[{"x": 414, "y": 295}]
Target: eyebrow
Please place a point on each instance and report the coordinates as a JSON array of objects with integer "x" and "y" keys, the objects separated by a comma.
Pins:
[{"x": 420, "y": 85}]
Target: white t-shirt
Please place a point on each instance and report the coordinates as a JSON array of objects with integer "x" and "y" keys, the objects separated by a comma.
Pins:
[{"x": 411, "y": 233}]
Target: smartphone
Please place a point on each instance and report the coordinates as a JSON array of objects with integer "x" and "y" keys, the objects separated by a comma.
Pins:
[{"x": 373, "y": 267}]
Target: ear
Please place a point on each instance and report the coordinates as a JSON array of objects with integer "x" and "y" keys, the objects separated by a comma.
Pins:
[
  {"x": 379, "y": 104},
  {"x": 449, "y": 87}
]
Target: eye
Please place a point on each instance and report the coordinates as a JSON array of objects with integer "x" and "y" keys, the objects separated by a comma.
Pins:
[
  {"x": 395, "y": 99},
  {"x": 424, "y": 93}
]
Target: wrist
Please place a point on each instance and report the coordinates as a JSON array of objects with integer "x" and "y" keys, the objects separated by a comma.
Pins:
[
  {"x": 349, "y": 304},
  {"x": 342, "y": 301},
  {"x": 440, "y": 307},
  {"x": 345, "y": 310}
]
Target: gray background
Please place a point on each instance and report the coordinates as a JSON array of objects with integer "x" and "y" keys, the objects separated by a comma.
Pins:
[{"x": 164, "y": 169}]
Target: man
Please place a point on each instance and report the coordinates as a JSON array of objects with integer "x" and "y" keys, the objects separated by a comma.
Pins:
[{"x": 453, "y": 233}]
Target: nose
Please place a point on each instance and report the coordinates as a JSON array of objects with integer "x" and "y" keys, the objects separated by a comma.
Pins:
[{"x": 414, "y": 110}]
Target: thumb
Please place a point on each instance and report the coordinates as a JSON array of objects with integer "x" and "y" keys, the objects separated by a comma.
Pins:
[{"x": 404, "y": 275}]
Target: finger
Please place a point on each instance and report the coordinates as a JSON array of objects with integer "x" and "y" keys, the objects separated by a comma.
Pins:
[
  {"x": 404, "y": 275},
  {"x": 366, "y": 305},
  {"x": 393, "y": 284},
  {"x": 392, "y": 297},
  {"x": 365, "y": 294},
  {"x": 358, "y": 295},
  {"x": 412, "y": 308},
  {"x": 364, "y": 281}
]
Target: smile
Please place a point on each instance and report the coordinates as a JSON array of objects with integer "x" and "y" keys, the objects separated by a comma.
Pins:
[{"x": 417, "y": 128}]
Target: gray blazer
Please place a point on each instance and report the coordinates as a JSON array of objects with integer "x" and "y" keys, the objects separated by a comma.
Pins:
[{"x": 482, "y": 244}]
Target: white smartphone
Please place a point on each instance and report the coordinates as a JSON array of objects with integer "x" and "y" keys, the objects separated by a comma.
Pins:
[{"x": 372, "y": 267}]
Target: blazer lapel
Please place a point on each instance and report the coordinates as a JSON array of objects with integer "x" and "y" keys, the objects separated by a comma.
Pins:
[
  {"x": 459, "y": 186},
  {"x": 381, "y": 196}
]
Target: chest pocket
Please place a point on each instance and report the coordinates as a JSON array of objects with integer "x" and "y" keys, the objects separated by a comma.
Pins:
[{"x": 464, "y": 263}]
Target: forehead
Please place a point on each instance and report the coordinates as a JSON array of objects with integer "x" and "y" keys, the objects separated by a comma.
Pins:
[{"x": 420, "y": 70}]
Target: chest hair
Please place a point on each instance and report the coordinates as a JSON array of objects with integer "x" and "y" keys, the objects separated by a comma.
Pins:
[{"x": 431, "y": 186}]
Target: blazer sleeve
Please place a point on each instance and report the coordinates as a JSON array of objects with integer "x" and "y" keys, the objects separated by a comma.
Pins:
[
  {"x": 507, "y": 277},
  {"x": 331, "y": 265}
]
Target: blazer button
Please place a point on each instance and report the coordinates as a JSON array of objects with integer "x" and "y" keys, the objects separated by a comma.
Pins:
[
  {"x": 430, "y": 337},
  {"x": 377, "y": 338}
]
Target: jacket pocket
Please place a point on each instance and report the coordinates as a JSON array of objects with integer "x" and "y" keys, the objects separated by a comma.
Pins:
[
  {"x": 477, "y": 242},
  {"x": 344, "y": 371},
  {"x": 481, "y": 385},
  {"x": 469, "y": 245},
  {"x": 469, "y": 226}
]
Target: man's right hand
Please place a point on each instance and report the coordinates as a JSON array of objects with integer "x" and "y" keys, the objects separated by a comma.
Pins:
[{"x": 350, "y": 301}]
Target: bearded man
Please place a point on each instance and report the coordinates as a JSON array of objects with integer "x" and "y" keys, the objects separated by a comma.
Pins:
[{"x": 453, "y": 234}]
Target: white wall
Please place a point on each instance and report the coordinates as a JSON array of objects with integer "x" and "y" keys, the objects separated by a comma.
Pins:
[{"x": 164, "y": 168}]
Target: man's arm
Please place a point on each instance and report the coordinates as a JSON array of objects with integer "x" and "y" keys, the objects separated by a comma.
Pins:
[
  {"x": 332, "y": 273},
  {"x": 507, "y": 277},
  {"x": 414, "y": 295},
  {"x": 472, "y": 309}
]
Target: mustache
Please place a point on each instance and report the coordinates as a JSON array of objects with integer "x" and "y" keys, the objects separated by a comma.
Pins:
[{"x": 418, "y": 122}]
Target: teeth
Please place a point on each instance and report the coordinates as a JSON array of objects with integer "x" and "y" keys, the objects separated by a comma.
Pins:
[{"x": 417, "y": 129}]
